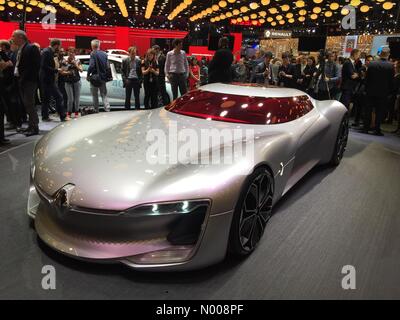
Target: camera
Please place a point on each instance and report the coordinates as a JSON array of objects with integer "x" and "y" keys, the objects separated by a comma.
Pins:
[{"x": 323, "y": 55}]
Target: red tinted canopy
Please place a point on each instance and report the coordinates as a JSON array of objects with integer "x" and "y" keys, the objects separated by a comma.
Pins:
[{"x": 241, "y": 109}]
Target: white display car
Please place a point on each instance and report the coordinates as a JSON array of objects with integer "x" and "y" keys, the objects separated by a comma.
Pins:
[
  {"x": 115, "y": 89},
  {"x": 118, "y": 53}
]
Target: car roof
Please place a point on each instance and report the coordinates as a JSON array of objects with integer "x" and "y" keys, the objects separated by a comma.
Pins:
[
  {"x": 248, "y": 89},
  {"x": 110, "y": 56}
]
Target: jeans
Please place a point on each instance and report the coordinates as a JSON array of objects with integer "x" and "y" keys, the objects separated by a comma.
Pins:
[
  {"x": 132, "y": 85},
  {"x": 178, "y": 80},
  {"x": 103, "y": 94},
  {"x": 27, "y": 91},
  {"x": 50, "y": 89},
  {"x": 74, "y": 95},
  {"x": 150, "y": 95}
]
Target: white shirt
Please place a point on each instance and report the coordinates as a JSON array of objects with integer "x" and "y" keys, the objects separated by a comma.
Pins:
[{"x": 176, "y": 63}]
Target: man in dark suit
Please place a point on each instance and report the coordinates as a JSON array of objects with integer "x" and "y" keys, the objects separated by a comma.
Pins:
[
  {"x": 263, "y": 71},
  {"x": 287, "y": 72},
  {"x": 166, "y": 99},
  {"x": 379, "y": 85},
  {"x": 5, "y": 66},
  {"x": 220, "y": 68},
  {"x": 350, "y": 77},
  {"x": 48, "y": 80},
  {"x": 27, "y": 73},
  {"x": 132, "y": 78}
]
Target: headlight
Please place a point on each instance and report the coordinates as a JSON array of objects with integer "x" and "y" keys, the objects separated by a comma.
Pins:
[{"x": 158, "y": 209}]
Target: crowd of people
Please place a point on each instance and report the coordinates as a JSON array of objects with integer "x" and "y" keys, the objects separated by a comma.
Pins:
[
  {"x": 29, "y": 76},
  {"x": 368, "y": 86}
]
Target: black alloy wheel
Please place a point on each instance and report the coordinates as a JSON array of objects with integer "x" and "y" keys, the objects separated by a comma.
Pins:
[
  {"x": 253, "y": 211},
  {"x": 341, "y": 142}
]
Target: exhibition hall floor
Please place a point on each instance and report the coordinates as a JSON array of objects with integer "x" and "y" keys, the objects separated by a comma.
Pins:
[{"x": 334, "y": 217}]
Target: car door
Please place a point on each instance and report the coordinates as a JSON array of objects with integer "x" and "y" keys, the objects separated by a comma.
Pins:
[
  {"x": 86, "y": 96},
  {"x": 115, "y": 89}
]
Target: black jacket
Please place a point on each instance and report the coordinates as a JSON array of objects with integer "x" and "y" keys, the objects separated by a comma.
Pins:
[
  {"x": 126, "y": 69},
  {"x": 48, "y": 69},
  {"x": 308, "y": 76},
  {"x": 219, "y": 69},
  {"x": 291, "y": 70},
  {"x": 161, "y": 64},
  {"x": 102, "y": 62},
  {"x": 348, "y": 70},
  {"x": 7, "y": 73},
  {"x": 379, "y": 79},
  {"x": 29, "y": 64}
]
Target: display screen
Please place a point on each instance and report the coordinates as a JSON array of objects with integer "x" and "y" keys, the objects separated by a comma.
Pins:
[
  {"x": 82, "y": 42},
  {"x": 312, "y": 44}
]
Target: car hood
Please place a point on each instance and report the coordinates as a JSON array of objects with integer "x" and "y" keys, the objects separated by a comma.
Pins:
[{"x": 106, "y": 157}]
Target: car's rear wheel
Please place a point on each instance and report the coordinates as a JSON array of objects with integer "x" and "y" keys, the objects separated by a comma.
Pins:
[
  {"x": 341, "y": 142},
  {"x": 252, "y": 213}
]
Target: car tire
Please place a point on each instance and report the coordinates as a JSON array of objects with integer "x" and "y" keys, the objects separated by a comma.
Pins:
[
  {"x": 252, "y": 213},
  {"x": 341, "y": 142}
]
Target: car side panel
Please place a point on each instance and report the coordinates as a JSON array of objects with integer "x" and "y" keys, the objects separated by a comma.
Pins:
[{"x": 332, "y": 113}]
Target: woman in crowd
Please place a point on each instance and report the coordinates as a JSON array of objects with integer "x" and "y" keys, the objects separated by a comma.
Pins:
[
  {"x": 150, "y": 72},
  {"x": 240, "y": 71},
  {"x": 276, "y": 64},
  {"x": 309, "y": 72},
  {"x": 73, "y": 82},
  {"x": 194, "y": 73},
  {"x": 203, "y": 72}
]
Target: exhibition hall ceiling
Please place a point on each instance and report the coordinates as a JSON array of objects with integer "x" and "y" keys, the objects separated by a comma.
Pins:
[{"x": 278, "y": 14}]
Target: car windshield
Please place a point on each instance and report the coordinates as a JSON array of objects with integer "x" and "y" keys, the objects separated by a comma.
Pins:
[{"x": 241, "y": 109}]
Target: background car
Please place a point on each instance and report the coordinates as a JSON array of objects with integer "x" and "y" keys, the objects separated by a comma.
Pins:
[
  {"x": 95, "y": 193},
  {"x": 115, "y": 89},
  {"x": 118, "y": 53}
]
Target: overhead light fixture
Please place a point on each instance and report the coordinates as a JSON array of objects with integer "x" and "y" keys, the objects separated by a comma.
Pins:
[
  {"x": 179, "y": 8},
  {"x": 92, "y": 6},
  {"x": 364, "y": 8},
  {"x": 334, "y": 6},
  {"x": 122, "y": 7},
  {"x": 388, "y": 5},
  {"x": 253, "y": 5}
]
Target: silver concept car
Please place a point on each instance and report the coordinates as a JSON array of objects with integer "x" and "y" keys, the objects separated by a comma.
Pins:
[{"x": 128, "y": 186}]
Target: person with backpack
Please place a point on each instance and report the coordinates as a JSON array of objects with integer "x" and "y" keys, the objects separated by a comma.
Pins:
[{"x": 98, "y": 75}]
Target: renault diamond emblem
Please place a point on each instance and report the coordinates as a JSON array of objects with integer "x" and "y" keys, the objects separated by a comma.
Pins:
[{"x": 63, "y": 197}]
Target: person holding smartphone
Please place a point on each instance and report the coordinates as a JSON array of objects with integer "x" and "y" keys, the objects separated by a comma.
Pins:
[{"x": 150, "y": 71}]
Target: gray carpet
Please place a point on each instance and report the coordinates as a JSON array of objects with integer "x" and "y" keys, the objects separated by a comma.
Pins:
[{"x": 332, "y": 218}]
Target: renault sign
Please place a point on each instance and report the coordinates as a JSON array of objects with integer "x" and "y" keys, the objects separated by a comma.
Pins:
[{"x": 273, "y": 34}]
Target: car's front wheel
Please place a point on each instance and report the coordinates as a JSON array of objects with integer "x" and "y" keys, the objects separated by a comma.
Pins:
[{"x": 252, "y": 213}]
